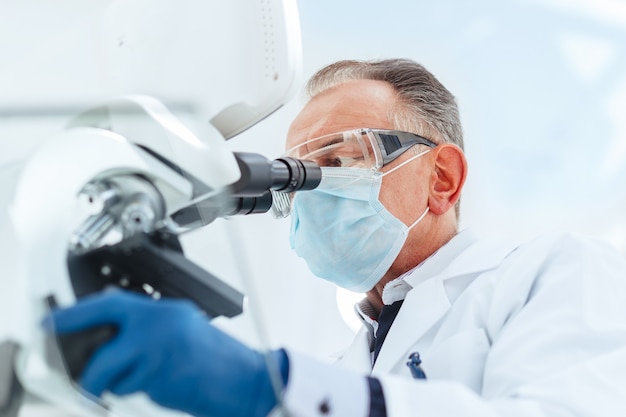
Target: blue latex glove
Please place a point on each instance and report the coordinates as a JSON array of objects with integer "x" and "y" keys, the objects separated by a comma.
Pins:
[{"x": 169, "y": 350}]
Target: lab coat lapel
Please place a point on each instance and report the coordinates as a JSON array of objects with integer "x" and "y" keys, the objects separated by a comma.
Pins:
[
  {"x": 358, "y": 356},
  {"x": 435, "y": 289},
  {"x": 421, "y": 309}
]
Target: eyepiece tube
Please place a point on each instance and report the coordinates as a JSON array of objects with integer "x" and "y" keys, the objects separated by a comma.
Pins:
[
  {"x": 264, "y": 185},
  {"x": 260, "y": 175},
  {"x": 251, "y": 205},
  {"x": 300, "y": 175}
]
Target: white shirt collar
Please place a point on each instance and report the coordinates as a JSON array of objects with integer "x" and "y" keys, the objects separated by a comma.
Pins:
[{"x": 396, "y": 289}]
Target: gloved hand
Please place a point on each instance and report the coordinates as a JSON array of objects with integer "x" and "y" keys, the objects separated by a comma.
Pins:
[{"x": 169, "y": 350}]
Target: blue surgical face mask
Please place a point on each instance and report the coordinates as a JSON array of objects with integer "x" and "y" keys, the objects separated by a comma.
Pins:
[{"x": 343, "y": 231}]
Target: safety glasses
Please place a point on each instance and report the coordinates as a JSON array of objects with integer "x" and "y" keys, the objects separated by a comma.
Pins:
[
  {"x": 358, "y": 148},
  {"x": 363, "y": 148}
]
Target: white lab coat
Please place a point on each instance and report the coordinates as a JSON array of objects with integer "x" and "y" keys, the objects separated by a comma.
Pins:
[{"x": 537, "y": 329}]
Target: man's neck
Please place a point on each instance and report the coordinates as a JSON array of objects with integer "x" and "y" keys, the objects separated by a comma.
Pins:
[{"x": 413, "y": 254}]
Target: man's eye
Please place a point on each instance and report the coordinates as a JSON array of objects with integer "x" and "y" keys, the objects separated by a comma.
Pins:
[
  {"x": 345, "y": 162},
  {"x": 351, "y": 160},
  {"x": 330, "y": 162}
]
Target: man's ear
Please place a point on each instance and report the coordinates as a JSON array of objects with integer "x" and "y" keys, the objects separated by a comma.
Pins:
[{"x": 447, "y": 179}]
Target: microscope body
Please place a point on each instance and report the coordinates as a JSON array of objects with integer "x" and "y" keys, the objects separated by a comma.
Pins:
[
  {"x": 91, "y": 198},
  {"x": 104, "y": 201}
]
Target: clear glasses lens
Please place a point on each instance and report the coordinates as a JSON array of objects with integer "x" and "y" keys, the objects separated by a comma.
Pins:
[
  {"x": 364, "y": 148},
  {"x": 353, "y": 149}
]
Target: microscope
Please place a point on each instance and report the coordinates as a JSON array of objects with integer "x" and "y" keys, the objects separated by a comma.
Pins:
[{"x": 103, "y": 202}]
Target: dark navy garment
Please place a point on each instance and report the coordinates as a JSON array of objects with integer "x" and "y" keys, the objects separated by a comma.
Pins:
[
  {"x": 387, "y": 315},
  {"x": 377, "y": 399},
  {"x": 385, "y": 320}
]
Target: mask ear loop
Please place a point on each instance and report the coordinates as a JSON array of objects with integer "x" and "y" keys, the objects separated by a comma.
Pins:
[
  {"x": 419, "y": 219},
  {"x": 406, "y": 162}
]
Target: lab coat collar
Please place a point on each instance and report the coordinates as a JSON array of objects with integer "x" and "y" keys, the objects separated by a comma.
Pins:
[
  {"x": 440, "y": 262},
  {"x": 398, "y": 288},
  {"x": 435, "y": 289}
]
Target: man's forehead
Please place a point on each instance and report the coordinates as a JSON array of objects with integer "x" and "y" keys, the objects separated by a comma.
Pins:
[{"x": 351, "y": 105}]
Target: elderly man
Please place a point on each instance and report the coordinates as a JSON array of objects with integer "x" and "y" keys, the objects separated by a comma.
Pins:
[{"x": 453, "y": 325}]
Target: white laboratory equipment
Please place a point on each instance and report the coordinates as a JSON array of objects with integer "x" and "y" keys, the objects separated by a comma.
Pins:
[{"x": 114, "y": 129}]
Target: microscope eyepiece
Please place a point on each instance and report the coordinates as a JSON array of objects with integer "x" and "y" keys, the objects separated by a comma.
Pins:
[
  {"x": 264, "y": 185},
  {"x": 260, "y": 175}
]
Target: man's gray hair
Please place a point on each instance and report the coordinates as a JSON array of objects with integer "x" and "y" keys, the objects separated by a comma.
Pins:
[{"x": 425, "y": 108}]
